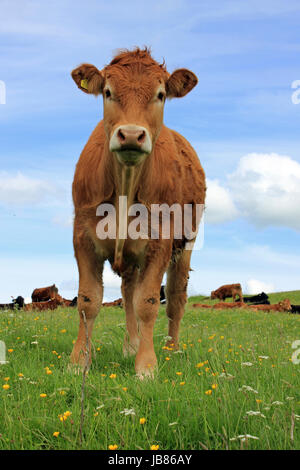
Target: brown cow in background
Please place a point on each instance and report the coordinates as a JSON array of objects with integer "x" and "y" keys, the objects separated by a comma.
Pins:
[
  {"x": 228, "y": 290},
  {"x": 44, "y": 293},
  {"x": 132, "y": 153}
]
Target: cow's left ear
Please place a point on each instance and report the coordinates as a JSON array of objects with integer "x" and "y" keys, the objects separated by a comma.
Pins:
[{"x": 180, "y": 83}]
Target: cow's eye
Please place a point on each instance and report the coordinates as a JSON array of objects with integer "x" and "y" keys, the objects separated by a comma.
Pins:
[
  {"x": 107, "y": 93},
  {"x": 160, "y": 96}
]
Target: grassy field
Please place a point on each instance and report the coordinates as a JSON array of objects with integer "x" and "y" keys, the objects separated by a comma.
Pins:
[{"x": 233, "y": 376}]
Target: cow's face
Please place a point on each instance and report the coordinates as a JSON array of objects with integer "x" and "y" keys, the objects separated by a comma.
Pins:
[
  {"x": 134, "y": 96},
  {"x": 213, "y": 295}
]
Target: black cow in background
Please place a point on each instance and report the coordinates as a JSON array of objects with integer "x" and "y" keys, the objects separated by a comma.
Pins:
[
  {"x": 295, "y": 309},
  {"x": 162, "y": 295},
  {"x": 16, "y": 303},
  {"x": 257, "y": 299}
]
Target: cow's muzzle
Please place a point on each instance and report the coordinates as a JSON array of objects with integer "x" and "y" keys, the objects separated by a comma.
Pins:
[{"x": 131, "y": 143}]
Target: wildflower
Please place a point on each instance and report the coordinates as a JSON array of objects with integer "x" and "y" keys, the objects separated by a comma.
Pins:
[
  {"x": 113, "y": 447},
  {"x": 48, "y": 371},
  {"x": 154, "y": 447},
  {"x": 113, "y": 376},
  {"x": 62, "y": 392},
  {"x": 243, "y": 437},
  {"x": 167, "y": 358},
  {"x": 128, "y": 411},
  {"x": 10, "y": 350},
  {"x": 6, "y": 386},
  {"x": 249, "y": 364},
  {"x": 255, "y": 413},
  {"x": 258, "y": 400},
  {"x": 214, "y": 386},
  {"x": 182, "y": 383},
  {"x": 142, "y": 420},
  {"x": 96, "y": 413},
  {"x": 277, "y": 403},
  {"x": 178, "y": 373},
  {"x": 200, "y": 364},
  {"x": 20, "y": 374},
  {"x": 63, "y": 331},
  {"x": 125, "y": 389},
  {"x": 208, "y": 392},
  {"x": 247, "y": 388},
  {"x": 56, "y": 434},
  {"x": 6, "y": 379},
  {"x": 43, "y": 395}
]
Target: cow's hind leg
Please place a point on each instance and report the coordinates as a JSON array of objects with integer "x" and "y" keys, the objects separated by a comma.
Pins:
[
  {"x": 177, "y": 280},
  {"x": 89, "y": 299},
  {"x": 131, "y": 340}
]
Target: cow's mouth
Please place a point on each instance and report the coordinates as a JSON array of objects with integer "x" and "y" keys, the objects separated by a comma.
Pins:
[{"x": 130, "y": 155}]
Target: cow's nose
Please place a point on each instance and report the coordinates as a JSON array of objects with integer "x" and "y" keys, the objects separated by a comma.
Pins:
[{"x": 131, "y": 137}]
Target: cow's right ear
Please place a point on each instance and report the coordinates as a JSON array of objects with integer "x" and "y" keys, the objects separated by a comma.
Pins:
[{"x": 88, "y": 79}]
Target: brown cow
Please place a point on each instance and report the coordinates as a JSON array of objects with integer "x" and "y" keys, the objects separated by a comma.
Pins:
[
  {"x": 115, "y": 303},
  {"x": 47, "y": 305},
  {"x": 282, "y": 306},
  {"x": 223, "y": 305},
  {"x": 132, "y": 153},
  {"x": 229, "y": 290},
  {"x": 44, "y": 293}
]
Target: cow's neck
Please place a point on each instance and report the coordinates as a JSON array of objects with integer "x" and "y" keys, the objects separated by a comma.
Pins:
[{"x": 127, "y": 180}]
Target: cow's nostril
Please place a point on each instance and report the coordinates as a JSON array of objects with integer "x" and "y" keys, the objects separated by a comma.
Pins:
[
  {"x": 141, "y": 137},
  {"x": 121, "y": 136}
]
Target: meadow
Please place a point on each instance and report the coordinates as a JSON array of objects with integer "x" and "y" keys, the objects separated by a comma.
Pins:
[{"x": 231, "y": 385}]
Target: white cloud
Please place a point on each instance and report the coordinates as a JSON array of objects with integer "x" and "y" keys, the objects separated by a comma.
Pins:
[
  {"x": 266, "y": 188},
  {"x": 19, "y": 189},
  {"x": 255, "y": 286},
  {"x": 219, "y": 204}
]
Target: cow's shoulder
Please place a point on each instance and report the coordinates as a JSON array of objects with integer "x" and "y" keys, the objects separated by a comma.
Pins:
[{"x": 93, "y": 179}]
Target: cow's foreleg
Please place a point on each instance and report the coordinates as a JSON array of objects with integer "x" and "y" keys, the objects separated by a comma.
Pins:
[
  {"x": 146, "y": 301},
  {"x": 89, "y": 299},
  {"x": 177, "y": 280},
  {"x": 131, "y": 340}
]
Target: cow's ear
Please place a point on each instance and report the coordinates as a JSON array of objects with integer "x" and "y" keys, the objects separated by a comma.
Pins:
[
  {"x": 88, "y": 79},
  {"x": 181, "y": 82}
]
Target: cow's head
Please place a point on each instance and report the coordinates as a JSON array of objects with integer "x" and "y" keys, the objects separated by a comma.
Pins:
[
  {"x": 213, "y": 295},
  {"x": 134, "y": 89}
]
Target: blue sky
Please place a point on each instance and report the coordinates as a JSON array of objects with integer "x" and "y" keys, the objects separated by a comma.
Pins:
[{"x": 240, "y": 118}]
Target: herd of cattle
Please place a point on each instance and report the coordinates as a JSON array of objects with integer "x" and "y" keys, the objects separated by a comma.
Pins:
[
  {"x": 255, "y": 302},
  {"x": 48, "y": 298}
]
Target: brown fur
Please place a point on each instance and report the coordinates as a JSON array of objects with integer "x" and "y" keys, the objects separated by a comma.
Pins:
[
  {"x": 44, "y": 293},
  {"x": 228, "y": 290},
  {"x": 171, "y": 173},
  {"x": 224, "y": 305},
  {"x": 282, "y": 306},
  {"x": 115, "y": 303},
  {"x": 47, "y": 305}
]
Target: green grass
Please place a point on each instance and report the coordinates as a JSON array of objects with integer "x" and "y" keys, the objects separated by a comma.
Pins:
[{"x": 179, "y": 414}]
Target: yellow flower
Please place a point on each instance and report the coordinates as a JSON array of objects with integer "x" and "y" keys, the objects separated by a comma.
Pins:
[
  {"x": 154, "y": 447},
  {"x": 208, "y": 392},
  {"x": 112, "y": 446},
  {"x": 258, "y": 400},
  {"x": 214, "y": 386},
  {"x": 142, "y": 420},
  {"x": 63, "y": 331},
  {"x": 62, "y": 392},
  {"x": 20, "y": 374},
  {"x": 10, "y": 350},
  {"x": 48, "y": 372},
  {"x": 6, "y": 379},
  {"x": 113, "y": 376},
  {"x": 125, "y": 389},
  {"x": 210, "y": 350},
  {"x": 56, "y": 434},
  {"x": 6, "y": 386},
  {"x": 96, "y": 414},
  {"x": 200, "y": 364},
  {"x": 67, "y": 413},
  {"x": 178, "y": 373},
  {"x": 43, "y": 395},
  {"x": 182, "y": 383},
  {"x": 167, "y": 358}
]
